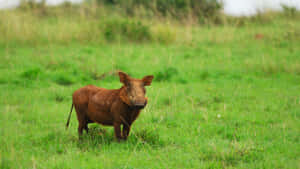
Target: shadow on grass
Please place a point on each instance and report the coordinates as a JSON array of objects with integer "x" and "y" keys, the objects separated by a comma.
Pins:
[
  {"x": 148, "y": 138},
  {"x": 98, "y": 137}
]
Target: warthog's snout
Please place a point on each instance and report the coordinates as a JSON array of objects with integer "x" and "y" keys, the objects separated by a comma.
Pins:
[{"x": 140, "y": 104}]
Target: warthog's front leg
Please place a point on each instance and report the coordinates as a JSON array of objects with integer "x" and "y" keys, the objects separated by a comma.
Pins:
[
  {"x": 117, "y": 128},
  {"x": 126, "y": 130}
]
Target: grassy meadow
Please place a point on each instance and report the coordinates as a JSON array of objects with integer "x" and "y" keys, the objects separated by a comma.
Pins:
[{"x": 224, "y": 95}]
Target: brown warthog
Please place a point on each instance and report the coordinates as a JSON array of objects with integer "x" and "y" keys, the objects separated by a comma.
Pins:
[{"x": 114, "y": 107}]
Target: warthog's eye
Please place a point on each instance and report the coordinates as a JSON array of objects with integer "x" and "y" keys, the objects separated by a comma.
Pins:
[{"x": 128, "y": 88}]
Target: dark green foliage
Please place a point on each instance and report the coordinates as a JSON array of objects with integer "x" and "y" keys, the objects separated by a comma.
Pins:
[
  {"x": 204, "y": 75},
  {"x": 39, "y": 7},
  {"x": 64, "y": 80},
  {"x": 59, "y": 98},
  {"x": 31, "y": 74},
  {"x": 130, "y": 30},
  {"x": 289, "y": 10},
  {"x": 175, "y": 8},
  {"x": 166, "y": 74},
  {"x": 32, "y": 4}
]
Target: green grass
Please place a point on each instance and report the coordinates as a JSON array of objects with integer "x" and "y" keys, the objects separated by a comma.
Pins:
[{"x": 221, "y": 99}]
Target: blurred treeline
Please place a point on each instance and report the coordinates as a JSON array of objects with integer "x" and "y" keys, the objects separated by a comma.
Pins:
[{"x": 102, "y": 21}]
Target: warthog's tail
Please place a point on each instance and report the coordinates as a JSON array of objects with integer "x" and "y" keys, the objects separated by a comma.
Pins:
[{"x": 67, "y": 125}]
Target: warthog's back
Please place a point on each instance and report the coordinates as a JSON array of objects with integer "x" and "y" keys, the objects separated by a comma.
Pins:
[{"x": 82, "y": 95}]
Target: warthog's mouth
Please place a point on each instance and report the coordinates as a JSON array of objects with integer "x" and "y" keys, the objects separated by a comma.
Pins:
[{"x": 139, "y": 106}]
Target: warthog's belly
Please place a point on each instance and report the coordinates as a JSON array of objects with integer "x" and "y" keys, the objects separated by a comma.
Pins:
[{"x": 103, "y": 118}]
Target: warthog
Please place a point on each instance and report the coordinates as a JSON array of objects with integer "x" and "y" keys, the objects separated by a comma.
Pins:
[{"x": 113, "y": 107}]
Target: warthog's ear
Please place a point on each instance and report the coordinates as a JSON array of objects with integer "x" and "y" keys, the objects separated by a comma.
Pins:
[
  {"x": 124, "y": 78},
  {"x": 147, "y": 80}
]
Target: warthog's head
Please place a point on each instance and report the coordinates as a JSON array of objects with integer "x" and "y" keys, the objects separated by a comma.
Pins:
[{"x": 134, "y": 90}]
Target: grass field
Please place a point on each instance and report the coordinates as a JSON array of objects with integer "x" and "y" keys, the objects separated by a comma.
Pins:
[{"x": 220, "y": 99}]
